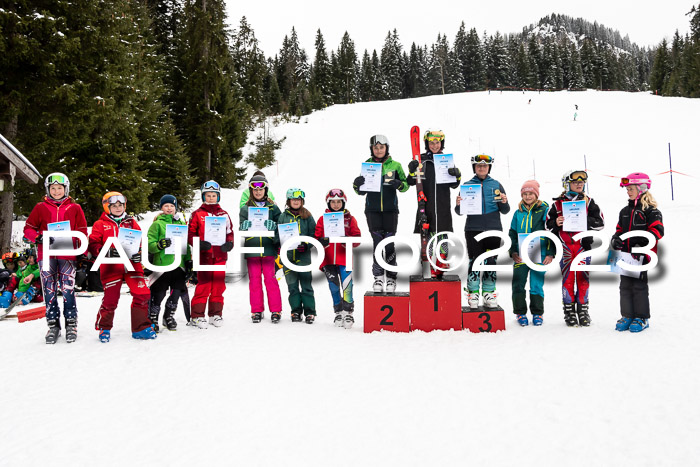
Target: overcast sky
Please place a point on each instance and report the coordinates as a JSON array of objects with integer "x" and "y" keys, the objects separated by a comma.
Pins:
[{"x": 368, "y": 21}]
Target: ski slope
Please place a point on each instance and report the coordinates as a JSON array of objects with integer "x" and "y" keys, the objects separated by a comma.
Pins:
[{"x": 294, "y": 394}]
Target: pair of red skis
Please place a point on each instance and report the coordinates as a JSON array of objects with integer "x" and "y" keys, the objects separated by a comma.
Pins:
[{"x": 422, "y": 200}]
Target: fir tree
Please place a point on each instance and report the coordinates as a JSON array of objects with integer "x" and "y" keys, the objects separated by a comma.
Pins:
[
  {"x": 391, "y": 66},
  {"x": 321, "y": 73}
]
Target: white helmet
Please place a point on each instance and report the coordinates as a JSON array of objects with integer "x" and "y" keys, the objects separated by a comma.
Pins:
[{"x": 56, "y": 178}]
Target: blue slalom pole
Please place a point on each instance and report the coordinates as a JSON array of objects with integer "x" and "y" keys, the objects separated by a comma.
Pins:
[{"x": 670, "y": 167}]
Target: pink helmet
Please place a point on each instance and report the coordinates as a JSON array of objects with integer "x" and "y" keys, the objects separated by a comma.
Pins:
[{"x": 640, "y": 179}]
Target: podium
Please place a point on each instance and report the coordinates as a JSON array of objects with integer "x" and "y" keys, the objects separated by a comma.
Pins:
[
  {"x": 386, "y": 311},
  {"x": 435, "y": 303},
  {"x": 483, "y": 319}
]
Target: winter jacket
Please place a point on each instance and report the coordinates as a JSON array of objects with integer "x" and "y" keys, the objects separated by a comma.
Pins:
[
  {"x": 26, "y": 271},
  {"x": 491, "y": 209},
  {"x": 437, "y": 208},
  {"x": 528, "y": 221},
  {"x": 306, "y": 227},
  {"x": 633, "y": 217},
  {"x": 106, "y": 227},
  {"x": 335, "y": 252},
  {"x": 385, "y": 199},
  {"x": 594, "y": 222},
  {"x": 196, "y": 229},
  {"x": 157, "y": 232},
  {"x": 49, "y": 211},
  {"x": 270, "y": 245}
]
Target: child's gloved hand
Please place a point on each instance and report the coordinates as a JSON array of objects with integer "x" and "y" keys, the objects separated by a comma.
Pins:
[
  {"x": 302, "y": 248},
  {"x": 616, "y": 242},
  {"x": 412, "y": 166},
  {"x": 204, "y": 245},
  {"x": 246, "y": 225},
  {"x": 270, "y": 224},
  {"x": 358, "y": 182},
  {"x": 226, "y": 247},
  {"x": 395, "y": 184},
  {"x": 454, "y": 171},
  {"x": 324, "y": 241},
  {"x": 136, "y": 257},
  {"x": 164, "y": 243}
]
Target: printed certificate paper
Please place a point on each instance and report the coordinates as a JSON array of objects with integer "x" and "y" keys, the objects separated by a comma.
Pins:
[
  {"x": 173, "y": 231},
  {"x": 288, "y": 231},
  {"x": 471, "y": 199},
  {"x": 130, "y": 239},
  {"x": 444, "y": 162},
  {"x": 215, "y": 230},
  {"x": 575, "y": 216},
  {"x": 258, "y": 216},
  {"x": 373, "y": 176},
  {"x": 534, "y": 248},
  {"x": 60, "y": 243},
  {"x": 333, "y": 224}
]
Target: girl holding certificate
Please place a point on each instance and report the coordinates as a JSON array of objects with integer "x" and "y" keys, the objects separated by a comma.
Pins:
[
  {"x": 261, "y": 213},
  {"x": 339, "y": 279},
  {"x": 565, "y": 222},
  {"x": 382, "y": 206},
  {"x": 166, "y": 226},
  {"x": 57, "y": 209},
  {"x": 641, "y": 213},
  {"x": 112, "y": 221},
  {"x": 212, "y": 225}
]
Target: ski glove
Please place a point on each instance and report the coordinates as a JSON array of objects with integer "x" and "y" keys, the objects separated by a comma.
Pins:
[
  {"x": 270, "y": 224},
  {"x": 413, "y": 166},
  {"x": 454, "y": 171},
  {"x": 112, "y": 253},
  {"x": 188, "y": 267},
  {"x": 324, "y": 241},
  {"x": 395, "y": 184},
  {"x": 136, "y": 258},
  {"x": 204, "y": 245},
  {"x": 226, "y": 247},
  {"x": 39, "y": 240},
  {"x": 164, "y": 243},
  {"x": 246, "y": 224},
  {"x": 616, "y": 242},
  {"x": 302, "y": 248},
  {"x": 357, "y": 183}
]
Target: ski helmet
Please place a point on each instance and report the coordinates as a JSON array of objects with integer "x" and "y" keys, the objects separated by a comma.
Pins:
[
  {"x": 378, "y": 139},
  {"x": 482, "y": 159},
  {"x": 434, "y": 135},
  {"x": 296, "y": 193},
  {"x": 211, "y": 186},
  {"x": 56, "y": 178},
  {"x": 640, "y": 179},
  {"x": 112, "y": 197},
  {"x": 573, "y": 176},
  {"x": 336, "y": 193},
  {"x": 257, "y": 181}
]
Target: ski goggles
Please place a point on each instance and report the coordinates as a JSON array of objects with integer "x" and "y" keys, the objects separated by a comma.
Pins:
[
  {"x": 57, "y": 179},
  {"x": 336, "y": 192},
  {"x": 482, "y": 159},
  {"x": 294, "y": 193},
  {"x": 258, "y": 184},
  {"x": 211, "y": 185},
  {"x": 578, "y": 177},
  {"x": 378, "y": 139},
  {"x": 434, "y": 136},
  {"x": 116, "y": 199}
]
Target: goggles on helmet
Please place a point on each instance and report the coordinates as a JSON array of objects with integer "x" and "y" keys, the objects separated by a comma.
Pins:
[
  {"x": 56, "y": 179},
  {"x": 116, "y": 199},
  {"x": 294, "y": 193},
  {"x": 577, "y": 177},
  {"x": 210, "y": 185},
  {"x": 434, "y": 136},
  {"x": 482, "y": 159},
  {"x": 336, "y": 192},
  {"x": 378, "y": 139},
  {"x": 258, "y": 185}
]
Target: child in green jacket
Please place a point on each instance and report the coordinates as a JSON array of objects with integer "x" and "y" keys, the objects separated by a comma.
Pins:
[{"x": 26, "y": 274}]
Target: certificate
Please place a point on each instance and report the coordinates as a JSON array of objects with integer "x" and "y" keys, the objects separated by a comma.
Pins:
[
  {"x": 444, "y": 162},
  {"x": 215, "y": 230},
  {"x": 616, "y": 255},
  {"x": 334, "y": 224},
  {"x": 60, "y": 243},
  {"x": 288, "y": 231},
  {"x": 534, "y": 248},
  {"x": 173, "y": 231},
  {"x": 575, "y": 216},
  {"x": 258, "y": 216},
  {"x": 471, "y": 199},
  {"x": 130, "y": 240},
  {"x": 373, "y": 176}
]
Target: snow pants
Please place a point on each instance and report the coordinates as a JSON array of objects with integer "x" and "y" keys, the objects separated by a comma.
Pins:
[
  {"x": 486, "y": 280},
  {"x": 340, "y": 284},
  {"x": 173, "y": 280},
  {"x": 113, "y": 275},
  {"x": 61, "y": 274},
  {"x": 574, "y": 284},
  {"x": 301, "y": 301},
  {"x": 520, "y": 273},
  {"x": 634, "y": 297},
  {"x": 383, "y": 225},
  {"x": 210, "y": 287},
  {"x": 260, "y": 267}
]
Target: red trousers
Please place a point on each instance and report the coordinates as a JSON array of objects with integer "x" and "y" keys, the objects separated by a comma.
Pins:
[
  {"x": 112, "y": 276},
  {"x": 210, "y": 287}
]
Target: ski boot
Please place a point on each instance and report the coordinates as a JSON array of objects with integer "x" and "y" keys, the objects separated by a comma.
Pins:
[
  {"x": 537, "y": 320},
  {"x": 217, "y": 321},
  {"x": 522, "y": 320},
  {"x": 338, "y": 320},
  {"x": 153, "y": 316},
  {"x": 639, "y": 325},
  {"x": 390, "y": 285},
  {"x": 71, "y": 329},
  {"x": 378, "y": 285},
  {"x": 296, "y": 317},
  {"x": 54, "y": 331},
  {"x": 148, "y": 333},
  {"x": 169, "y": 322},
  {"x": 200, "y": 322},
  {"x": 570, "y": 315},
  {"x": 256, "y": 317},
  {"x": 623, "y": 324},
  {"x": 490, "y": 299},
  {"x": 276, "y": 317},
  {"x": 104, "y": 335},
  {"x": 582, "y": 311},
  {"x": 310, "y": 319},
  {"x": 348, "y": 320}
]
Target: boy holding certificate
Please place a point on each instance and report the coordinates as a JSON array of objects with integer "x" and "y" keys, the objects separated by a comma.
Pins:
[
  {"x": 483, "y": 215},
  {"x": 57, "y": 207},
  {"x": 213, "y": 227},
  {"x": 585, "y": 216},
  {"x": 338, "y": 222},
  {"x": 167, "y": 226},
  {"x": 261, "y": 265},
  {"x": 111, "y": 224}
]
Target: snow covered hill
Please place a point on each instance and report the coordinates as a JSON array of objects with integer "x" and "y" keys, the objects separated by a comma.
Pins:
[{"x": 294, "y": 394}]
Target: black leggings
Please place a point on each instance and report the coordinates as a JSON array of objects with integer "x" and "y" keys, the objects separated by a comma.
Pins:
[{"x": 383, "y": 225}]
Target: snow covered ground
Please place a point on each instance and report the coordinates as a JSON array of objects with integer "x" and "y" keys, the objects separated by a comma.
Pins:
[{"x": 289, "y": 394}]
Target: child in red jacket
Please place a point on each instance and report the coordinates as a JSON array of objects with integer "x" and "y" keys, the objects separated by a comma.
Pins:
[
  {"x": 112, "y": 275},
  {"x": 339, "y": 279},
  {"x": 57, "y": 207},
  {"x": 210, "y": 284}
]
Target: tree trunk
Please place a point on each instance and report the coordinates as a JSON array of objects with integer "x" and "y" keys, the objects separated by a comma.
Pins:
[{"x": 7, "y": 194}]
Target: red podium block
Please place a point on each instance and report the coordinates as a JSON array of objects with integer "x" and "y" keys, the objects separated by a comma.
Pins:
[
  {"x": 483, "y": 319},
  {"x": 386, "y": 311},
  {"x": 31, "y": 313},
  {"x": 436, "y": 304}
]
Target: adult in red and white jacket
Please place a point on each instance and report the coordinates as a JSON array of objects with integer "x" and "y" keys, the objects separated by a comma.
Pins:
[
  {"x": 57, "y": 206},
  {"x": 113, "y": 275},
  {"x": 210, "y": 284}
]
